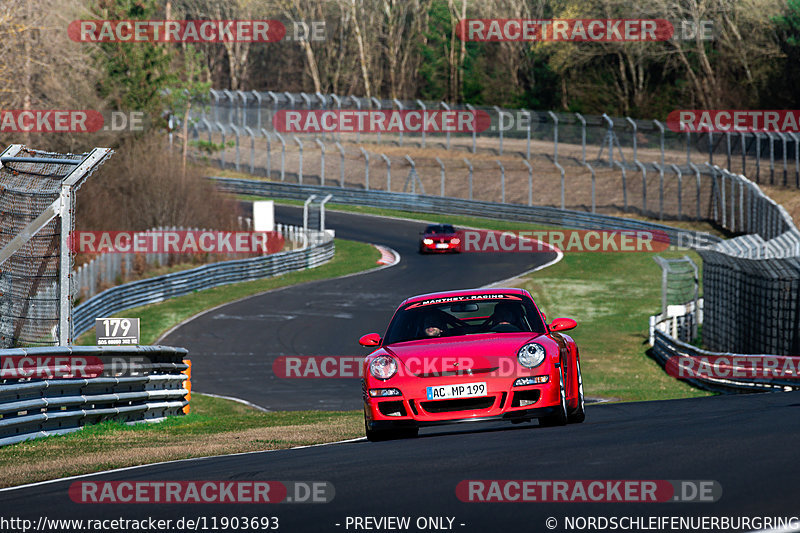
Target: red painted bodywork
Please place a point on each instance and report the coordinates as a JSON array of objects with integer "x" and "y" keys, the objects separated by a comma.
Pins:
[
  {"x": 492, "y": 358},
  {"x": 433, "y": 242}
]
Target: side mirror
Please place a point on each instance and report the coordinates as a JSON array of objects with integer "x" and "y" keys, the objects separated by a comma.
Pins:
[
  {"x": 371, "y": 339},
  {"x": 562, "y": 324}
]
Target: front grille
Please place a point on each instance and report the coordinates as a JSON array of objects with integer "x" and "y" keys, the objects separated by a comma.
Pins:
[
  {"x": 525, "y": 397},
  {"x": 392, "y": 408},
  {"x": 463, "y": 404}
]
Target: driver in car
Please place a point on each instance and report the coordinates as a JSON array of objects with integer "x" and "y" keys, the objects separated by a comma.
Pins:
[
  {"x": 434, "y": 325},
  {"x": 505, "y": 318}
]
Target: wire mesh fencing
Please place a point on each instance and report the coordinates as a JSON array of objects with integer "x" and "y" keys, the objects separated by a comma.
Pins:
[{"x": 36, "y": 205}]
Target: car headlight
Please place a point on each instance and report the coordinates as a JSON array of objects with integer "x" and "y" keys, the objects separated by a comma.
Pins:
[
  {"x": 383, "y": 367},
  {"x": 455, "y": 240},
  {"x": 427, "y": 241},
  {"x": 531, "y": 355}
]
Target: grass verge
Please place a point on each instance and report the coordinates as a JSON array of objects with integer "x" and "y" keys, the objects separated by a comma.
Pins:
[
  {"x": 610, "y": 295},
  {"x": 214, "y": 427},
  {"x": 156, "y": 319}
]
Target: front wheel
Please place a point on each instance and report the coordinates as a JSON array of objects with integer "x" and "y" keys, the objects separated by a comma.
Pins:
[
  {"x": 578, "y": 415},
  {"x": 560, "y": 417}
]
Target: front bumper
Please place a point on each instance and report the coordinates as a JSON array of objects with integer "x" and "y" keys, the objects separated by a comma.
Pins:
[{"x": 502, "y": 401}]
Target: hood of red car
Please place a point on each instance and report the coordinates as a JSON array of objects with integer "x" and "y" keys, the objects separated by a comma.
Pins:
[{"x": 473, "y": 354}]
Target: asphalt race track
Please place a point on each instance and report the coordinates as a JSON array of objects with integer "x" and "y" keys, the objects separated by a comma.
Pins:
[
  {"x": 233, "y": 347},
  {"x": 746, "y": 443}
]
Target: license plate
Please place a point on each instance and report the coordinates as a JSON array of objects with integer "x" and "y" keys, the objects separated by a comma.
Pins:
[
  {"x": 462, "y": 390},
  {"x": 442, "y": 245}
]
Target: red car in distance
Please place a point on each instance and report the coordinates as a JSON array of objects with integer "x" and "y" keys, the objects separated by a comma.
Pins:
[
  {"x": 471, "y": 355},
  {"x": 440, "y": 238}
]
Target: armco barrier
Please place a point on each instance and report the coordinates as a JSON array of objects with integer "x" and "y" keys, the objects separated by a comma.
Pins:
[
  {"x": 153, "y": 290},
  {"x": 144, "y": 383},
  {"x": 457, "y": 206},
  {"x": 665, "y": 347}
]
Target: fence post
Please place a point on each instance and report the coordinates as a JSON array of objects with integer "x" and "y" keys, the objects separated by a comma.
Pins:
[
  {"x": 283, "y": 155},
  {"x": 711, "y": 147},
  {"x": 300, "y": 167},
  {"x": 322, "y": 162},
  {"x": 338, "y": 102},
  {"x": 366, "y": 167},
  {"x": 469, "y": 179},
  {"x": 715, "y": 192},
  {"x": 231, "y": 109},
  {"x": 399, "y": 108},
  {"x": 697, "y": 178},
  {"x": 377, "y": 104},
  {"x": 222, "y": 153},
  {"x": 783, "y": 149},
  {"x": 243, "y": 96},
  {"x": 757, "y": 135},
  {"x": 258, "y": 100},
  {"x": 563, "y": 183},
  {"x": 447, "y": 108},
  {"x": 624, "y": 185},
  {"x": 530, "y": 181},
  {"x": 744, "y": 151},
  {"x": 555, "y": 136},
  {"x": 660, "y": 169},
  {"x": 796, "y": 159},
  {"x": 502, "y": 181},
  {"x": 266, "y": 135},
  {"x": 583, "y": 137},
  {"x": 728, "y": 147},
  {"x": 500, "y": 126},
  {"x": 610, "y": 137},
  {"x": 323, "y": 102},
  {"x": 660, "y": 127},
  {"x": 644, "y": 186},
  {"x": 677, "y": 172},
  {"x": 474, "y": 130},
  {"x": 421, "y": 104},
  {"x": 633, "y": 125},
  {"x": 252, "y": 149},
  {"x": 388, "y": 172},
  {"x": 688, "y": 147},
  {"x": 238, "y": 155},
  {"x": 587, "y": 165},
  {"x": 341, "y": 164},
  {"x": 527, "y": 134},
  {"x": 358, "y": 130},
  {"x": 413, "y": 176},
  {"x": 215, "y": 94},
  {"x": 441, "y": 176},
  {"x": 771, "y": 158}
]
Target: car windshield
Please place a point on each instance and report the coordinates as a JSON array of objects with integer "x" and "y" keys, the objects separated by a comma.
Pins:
[
  {"x": 440, "y": 228},
  {"x": 470, "y": 315}
]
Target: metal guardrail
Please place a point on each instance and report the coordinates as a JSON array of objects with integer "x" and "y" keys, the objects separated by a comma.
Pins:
[
  {"x": 157, "y": 289},
  {"x": 551, "y": 216},
  {"x": 665, "y": 347},
  {"x": 31, "y": 408}
]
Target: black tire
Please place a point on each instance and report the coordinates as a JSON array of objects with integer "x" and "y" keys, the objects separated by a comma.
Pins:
[
  {"x": 560, "y": 417},
  {"x": 578, "y": 415}
]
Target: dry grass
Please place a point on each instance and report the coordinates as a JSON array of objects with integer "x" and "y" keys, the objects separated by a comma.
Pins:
[{"x": 215, "y": 427}]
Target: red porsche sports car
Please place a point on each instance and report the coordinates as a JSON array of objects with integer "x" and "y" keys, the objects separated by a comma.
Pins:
[
  {"x": 470, "y": 355},
  {"x": 439, "y": 238}
]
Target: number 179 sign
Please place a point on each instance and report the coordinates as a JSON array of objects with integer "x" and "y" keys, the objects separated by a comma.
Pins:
[{"x": 117, "y": 331}]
